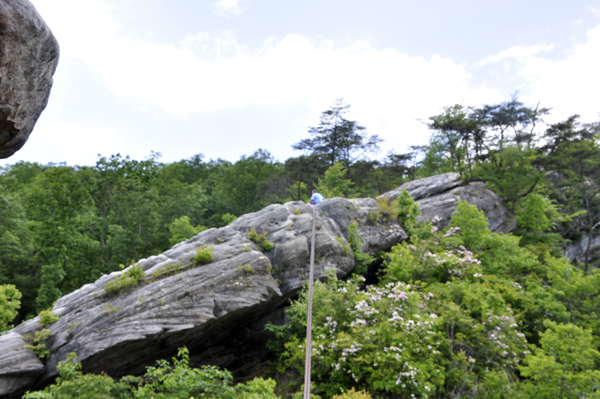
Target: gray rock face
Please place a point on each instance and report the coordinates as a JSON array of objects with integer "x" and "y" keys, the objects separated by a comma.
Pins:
[
  {"x": 438, "y": 196},
  {"x": 575, "y": 251},
  {"x": 19, "y": 368},
  {"x": 443, "y": 205},
  {"x": 28, "y": 59},
  {"x": 427, "y": 187},
  {"x": 217, "y": 310},
  {"x": 380, "y": 235}
]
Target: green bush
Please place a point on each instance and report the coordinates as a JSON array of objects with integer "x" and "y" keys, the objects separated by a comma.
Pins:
[
  {"x": 127, "y": 279},
  {"x": 353, "y": 394},
  {"x": 204, "y": 255},
  {"x": 181, "y": 229},
  {"x": 373, "y": 339},
  {"x": 48, "y": 317},
  {"x": 165, "y": 380},
  {"x": 362, "y": 259},
  {"x": 37, "y": 343},
  {"x": 260, "y": 240},
  {"x": 9, "y": 304},
  {"x": 566, "y": 363},
  {"x": 388, "y": 209}
]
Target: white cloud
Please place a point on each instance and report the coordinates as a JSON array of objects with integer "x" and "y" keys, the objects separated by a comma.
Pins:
[
  {"x": 517, "y": 52},
  {"x": 570, "y": 84},
  {"x": 594, "y": 10},
  {"x": 387, "y": 89},
  {"x": 52, "y": 141},
  {"x": 226, "y": 8}
]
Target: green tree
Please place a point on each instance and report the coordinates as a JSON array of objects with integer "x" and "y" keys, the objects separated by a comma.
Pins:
[
  {"x": 564, "y": 367},
  {"x": 9, "y": 305},
  {"x": 574, "y": 152},
  {"x": 511, "y": 173},
  {"x": 334, "y": 183},
  {"x": 339, "y": 139},
  {"x": 241, "y": 187},
  {"x": 181, "y": 229},
  {"x": 509, "y": 122},
  {"x": 456, "y": 137}
]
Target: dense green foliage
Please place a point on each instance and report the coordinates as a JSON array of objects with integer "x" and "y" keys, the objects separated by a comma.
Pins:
[
  {"x": 166, "y": 380},
  {"x": 466, "y": 313}
]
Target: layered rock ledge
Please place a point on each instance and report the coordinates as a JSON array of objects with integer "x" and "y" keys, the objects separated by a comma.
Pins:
[{"x": 438, "y": 197}]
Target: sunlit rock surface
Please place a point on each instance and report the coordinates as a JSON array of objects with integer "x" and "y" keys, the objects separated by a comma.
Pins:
[{"x": 438, "y": 196}]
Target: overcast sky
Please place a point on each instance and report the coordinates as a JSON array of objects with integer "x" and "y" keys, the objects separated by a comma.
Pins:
[{"x": 224, "y": 78}]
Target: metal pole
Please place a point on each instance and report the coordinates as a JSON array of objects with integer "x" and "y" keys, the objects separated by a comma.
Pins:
[{"x": 307, "y": 364}]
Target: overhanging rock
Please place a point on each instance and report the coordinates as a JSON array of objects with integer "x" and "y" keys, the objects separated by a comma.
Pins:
[{"x": 28, "y": 59}]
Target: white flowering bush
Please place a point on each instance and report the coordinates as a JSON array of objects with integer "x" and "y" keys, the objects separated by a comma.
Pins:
[
  {"x": 457, "y": 313},
  {"x": 437, "y": 260},
  {"x": 378, "y": 339}
]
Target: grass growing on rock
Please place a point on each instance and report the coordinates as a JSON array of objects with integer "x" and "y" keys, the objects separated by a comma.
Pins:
[
  {"x": 260, "y": 240},
  {"x": 128, "y": 279},
  {"x": 204, "y": 255}
]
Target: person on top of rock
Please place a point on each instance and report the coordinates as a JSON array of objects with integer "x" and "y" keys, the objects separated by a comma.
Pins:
[{"x": 316, "y": 198}]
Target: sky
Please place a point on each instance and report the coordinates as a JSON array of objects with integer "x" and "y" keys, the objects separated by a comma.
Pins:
[{"x": 225, "y": 78}]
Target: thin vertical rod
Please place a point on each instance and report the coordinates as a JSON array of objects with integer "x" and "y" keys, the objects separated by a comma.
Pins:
[{"x": 307, "y": 364}]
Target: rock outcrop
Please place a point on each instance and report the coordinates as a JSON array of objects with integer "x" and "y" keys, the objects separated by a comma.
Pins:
[
  {"x": 438, "y": 196},
  {"x": 19, "y": 367},
  {"x": 575, "y": 251},
  {"x": 28, "y": 59},
  {"x": 219, "y": 309}
]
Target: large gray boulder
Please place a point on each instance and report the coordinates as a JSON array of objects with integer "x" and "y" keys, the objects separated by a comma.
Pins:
[
  {"x": 19, "y": 367},
  {"x": 28, "y": 59},
  {"x": 218, "y": 310},
  {"x": 438, "y": 197},
  {"x": 377, "y": 233}
]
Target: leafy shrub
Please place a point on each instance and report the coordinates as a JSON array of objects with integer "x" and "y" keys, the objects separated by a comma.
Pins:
[
  {"x": 127, "y": 279},
  {"x": 260, "y": 240},
  {"x": 362, "y": 259},
  {"x": 9, "y": 304},
  {"x": 408, "y": 211},
  {"x": 388, "y": 209},
  {"x": 566, "y": 363},
  {"x": 181, "y": 229},
  {"x": 247, "y": 268},
  {"x": 228, "y": 218},
  {"x": 48, "y": 317},
  {"x": 382, "y": 339},
  {"x": 169, "y": 269},
  {"x": 37, "y": 343},
  {"x": 204, "y": 255},
  {"x": 353, "y": 394},
  {"x": 334, "y": 183},
  {"x": 346, "y": 248},
  {"x": 165, "y": 380}
]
